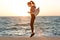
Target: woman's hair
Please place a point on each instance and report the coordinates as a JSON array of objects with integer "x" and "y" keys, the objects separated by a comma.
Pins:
[
  {"x": 32, "y": 2},
  {"x": 29, "y": 3}
]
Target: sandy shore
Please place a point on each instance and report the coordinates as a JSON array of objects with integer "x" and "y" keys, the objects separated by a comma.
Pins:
[{"x": 28, "y": 38}]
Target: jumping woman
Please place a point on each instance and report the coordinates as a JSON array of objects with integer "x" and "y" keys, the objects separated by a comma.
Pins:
[{"x": 32, "y": 6}]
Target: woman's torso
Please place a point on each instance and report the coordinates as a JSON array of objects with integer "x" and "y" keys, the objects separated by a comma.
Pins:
[{"x": 32, "y": 9}]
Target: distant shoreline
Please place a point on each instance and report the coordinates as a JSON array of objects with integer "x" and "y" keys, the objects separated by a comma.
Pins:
[{"x": 29, "y": 16}]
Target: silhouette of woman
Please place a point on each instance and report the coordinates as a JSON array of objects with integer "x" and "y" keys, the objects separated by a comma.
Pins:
[{"x": 32, "y": 6}]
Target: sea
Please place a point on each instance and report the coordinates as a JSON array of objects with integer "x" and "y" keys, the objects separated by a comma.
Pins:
[{"x": 20, "y": 26}]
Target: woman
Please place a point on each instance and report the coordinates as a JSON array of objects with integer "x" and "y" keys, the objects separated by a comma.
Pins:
[{"x": 32, "y": 6}]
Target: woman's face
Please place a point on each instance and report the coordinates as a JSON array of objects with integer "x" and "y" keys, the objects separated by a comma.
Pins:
[{"x": 29, "y": 5}]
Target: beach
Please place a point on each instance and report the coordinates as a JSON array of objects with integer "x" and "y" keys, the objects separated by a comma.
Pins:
[{"x": 28, "y": 38}]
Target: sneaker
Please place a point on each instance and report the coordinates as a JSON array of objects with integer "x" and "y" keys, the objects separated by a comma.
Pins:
[{"x": 32, "y": 34}]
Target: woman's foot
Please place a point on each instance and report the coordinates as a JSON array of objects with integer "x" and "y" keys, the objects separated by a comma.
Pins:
[{"x": 32, "y": 34}]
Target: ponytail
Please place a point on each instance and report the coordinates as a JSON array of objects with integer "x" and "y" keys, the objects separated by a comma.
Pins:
[{"x": 32, "y": 2}]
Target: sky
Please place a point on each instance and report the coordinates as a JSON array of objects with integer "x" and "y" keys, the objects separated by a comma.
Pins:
[{"x": 20, "y": 8}]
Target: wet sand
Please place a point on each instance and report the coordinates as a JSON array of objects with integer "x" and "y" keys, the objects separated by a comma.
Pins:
[{"x": 28, "y": 38}]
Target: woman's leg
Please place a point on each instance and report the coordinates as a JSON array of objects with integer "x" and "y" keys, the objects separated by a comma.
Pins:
[{"x": 31, "y": 24}]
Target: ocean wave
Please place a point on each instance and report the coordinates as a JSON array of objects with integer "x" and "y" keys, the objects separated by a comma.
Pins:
[{"x": 21, "y": 25}]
